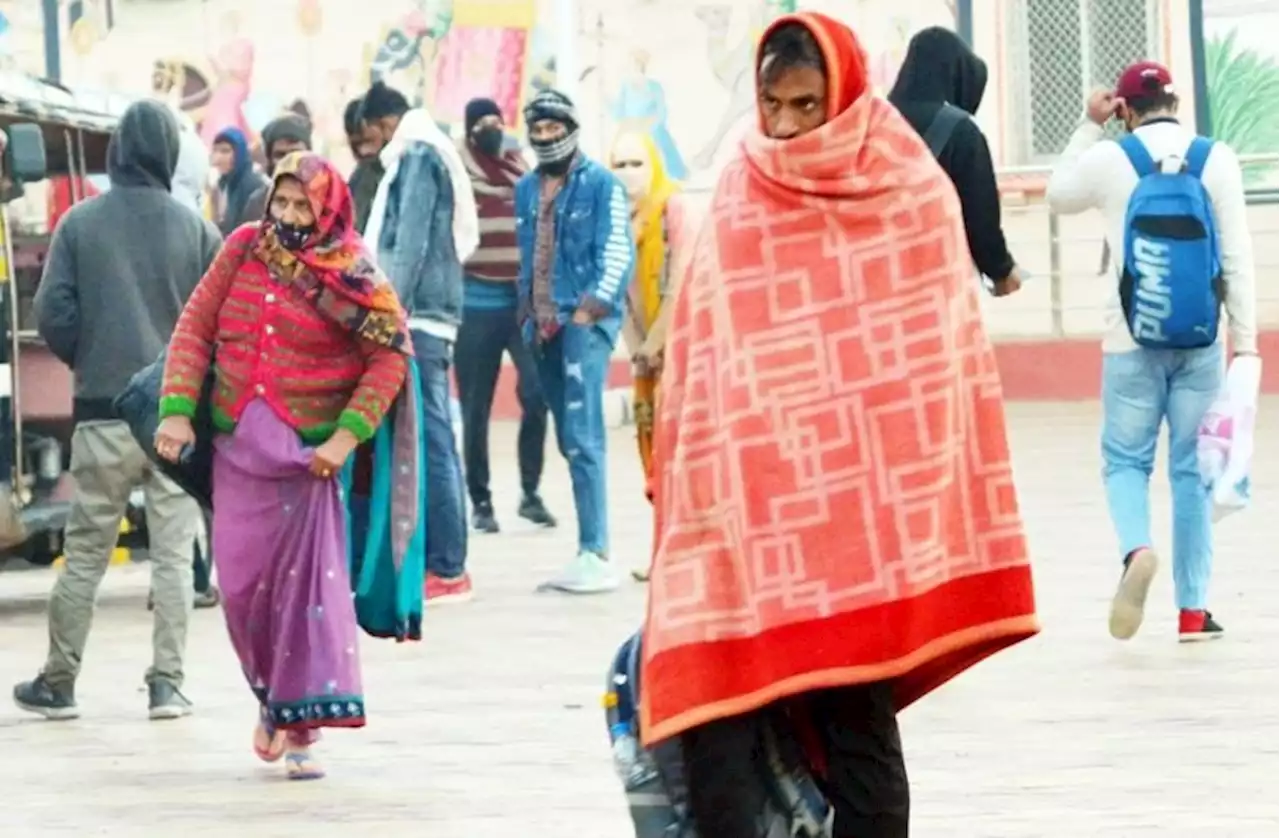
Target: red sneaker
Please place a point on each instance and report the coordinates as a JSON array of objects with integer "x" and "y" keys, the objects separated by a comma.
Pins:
[
  {"x": 1196, "y": 626},
  {"x": 441, "y": 591}
]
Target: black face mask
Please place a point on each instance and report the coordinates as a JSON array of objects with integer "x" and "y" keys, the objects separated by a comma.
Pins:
[
  {"x": 488, "y": 140},
  {"x": 292, "y": 236}
]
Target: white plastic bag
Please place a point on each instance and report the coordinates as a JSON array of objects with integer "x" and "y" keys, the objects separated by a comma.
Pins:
[{"x": 1224, "y": 448}]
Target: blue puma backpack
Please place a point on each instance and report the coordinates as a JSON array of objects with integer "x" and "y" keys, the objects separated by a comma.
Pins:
[{"x": 1171, "y": 286}]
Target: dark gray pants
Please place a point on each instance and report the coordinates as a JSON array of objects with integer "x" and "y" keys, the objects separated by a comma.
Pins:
[
  {"x": 484, "y": 336},
  {"x": 866, "y": 776}
]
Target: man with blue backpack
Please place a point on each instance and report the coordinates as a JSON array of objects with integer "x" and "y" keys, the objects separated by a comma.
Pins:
[{"x": 1174, "y": 205}]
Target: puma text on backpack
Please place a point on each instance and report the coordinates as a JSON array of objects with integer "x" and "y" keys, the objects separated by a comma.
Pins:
[{"x": 1171, "y": 283}]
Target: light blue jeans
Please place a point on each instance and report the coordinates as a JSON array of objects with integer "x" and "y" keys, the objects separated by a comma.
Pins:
[
  {"x": 573, "y": 368},
  {"x": 1140, "y": 390}
]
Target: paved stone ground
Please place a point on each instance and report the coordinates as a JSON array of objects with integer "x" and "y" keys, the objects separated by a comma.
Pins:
[{"x": 491, "y": 727}]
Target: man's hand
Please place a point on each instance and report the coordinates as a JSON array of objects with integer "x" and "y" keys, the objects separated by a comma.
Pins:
[
  {"x": 174, "y": 433},
  {"x": 590, "y": 311},
  {"x": 1009, "y": 285},
  {"x": 1101, "y": 106},
  {"x": 331, "y": 456}
]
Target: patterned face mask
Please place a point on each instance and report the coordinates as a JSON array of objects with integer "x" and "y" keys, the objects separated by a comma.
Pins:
[
  {"x": 557, "y": 153},
  {"x": 292, "y": 236}
]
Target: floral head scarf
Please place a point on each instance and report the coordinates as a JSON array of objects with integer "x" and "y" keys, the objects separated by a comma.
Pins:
[{"x": 333, "y": 266}]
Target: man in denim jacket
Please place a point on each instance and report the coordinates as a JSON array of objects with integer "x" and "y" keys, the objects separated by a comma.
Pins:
[
  {"x": 423, "y": 226},
  {"x": 573, "y": 227}
]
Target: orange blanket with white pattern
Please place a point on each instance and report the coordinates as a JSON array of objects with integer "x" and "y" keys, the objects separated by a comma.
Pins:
[{"x": 834, "y": 495}]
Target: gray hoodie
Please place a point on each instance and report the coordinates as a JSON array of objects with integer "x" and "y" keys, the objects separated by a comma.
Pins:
[{"x": 121, "y": 265}]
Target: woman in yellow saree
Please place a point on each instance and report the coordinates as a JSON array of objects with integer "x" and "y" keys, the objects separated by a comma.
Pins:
[{"x": 657, "y": 220}]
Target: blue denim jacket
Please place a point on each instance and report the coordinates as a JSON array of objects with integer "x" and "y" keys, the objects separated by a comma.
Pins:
[
  {"x": 416, "y": 248},
  {"x": 594, "y": 250}
]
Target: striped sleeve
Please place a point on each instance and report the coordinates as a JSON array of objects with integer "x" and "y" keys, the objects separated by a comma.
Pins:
[{"x": 619, "y": 250}]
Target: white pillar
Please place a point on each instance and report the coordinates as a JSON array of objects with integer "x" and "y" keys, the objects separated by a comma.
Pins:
[{"x": 566, "y": 41}]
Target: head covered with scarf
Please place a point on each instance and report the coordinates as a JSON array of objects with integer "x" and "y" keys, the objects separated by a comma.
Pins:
[
  {"x": 637, "y": 162},
  {"x": 830, "y": 452},
  {"x": 656, "y": 225},
  {"x": 330, "y": 258},
  {"x": 239, "y": 183},
  {"x": 554, "y": 153}
]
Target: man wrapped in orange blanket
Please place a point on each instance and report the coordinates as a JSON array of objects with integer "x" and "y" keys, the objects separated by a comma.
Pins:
[{"x": 837, "y": 527}]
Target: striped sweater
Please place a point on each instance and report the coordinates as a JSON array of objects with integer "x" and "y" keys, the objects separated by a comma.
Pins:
[
  {"x": 273, "y": 344},
  {"x": 497, "y": 259}
]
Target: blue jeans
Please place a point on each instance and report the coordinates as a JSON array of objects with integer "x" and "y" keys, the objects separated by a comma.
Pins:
[
  {"x": 573, "y": 368},
  {"x": 446, "y": 511},
  {"x": 1140, "y": 390}
]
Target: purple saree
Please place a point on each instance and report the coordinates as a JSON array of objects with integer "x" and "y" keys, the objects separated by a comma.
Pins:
[{"x": 279, "y": 542}]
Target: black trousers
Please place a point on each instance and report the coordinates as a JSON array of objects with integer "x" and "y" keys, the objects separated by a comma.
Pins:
[
  {"x": 485, "y": 334},
  {"x": 866, "y": 779}
]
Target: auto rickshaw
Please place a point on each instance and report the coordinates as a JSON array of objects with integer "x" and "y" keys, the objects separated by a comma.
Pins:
[{"x": 53, "y": 145}]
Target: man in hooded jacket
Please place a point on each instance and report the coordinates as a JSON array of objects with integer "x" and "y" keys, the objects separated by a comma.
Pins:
[
  {"x": 940, "y": 70},
  {"x": 120, "y": 268},
  {"x": 280, "y": 137}
]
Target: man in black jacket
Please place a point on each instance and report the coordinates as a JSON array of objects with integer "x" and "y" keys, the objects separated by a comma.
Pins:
[
  {"x": 941, "y": 73},
  {"x": 365, "y": 145},
  {"x": 120, "y": 268}
]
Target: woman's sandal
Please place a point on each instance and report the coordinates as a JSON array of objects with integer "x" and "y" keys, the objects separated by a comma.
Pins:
[
  {"x": 300, "y": 765},
  {"x": 268, "y": 742}
]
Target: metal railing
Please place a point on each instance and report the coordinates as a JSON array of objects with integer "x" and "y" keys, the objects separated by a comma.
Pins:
[
  {"x": 1265, "y": 169},
  {"x": 1057, "y": 251}
]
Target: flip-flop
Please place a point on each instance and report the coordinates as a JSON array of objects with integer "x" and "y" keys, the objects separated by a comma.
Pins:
[
  {"x": 300, "y": 766},
  {"x": 268, "y": 742}
]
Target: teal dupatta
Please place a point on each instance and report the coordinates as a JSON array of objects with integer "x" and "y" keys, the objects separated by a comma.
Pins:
[{"x": 386, "y": 529}]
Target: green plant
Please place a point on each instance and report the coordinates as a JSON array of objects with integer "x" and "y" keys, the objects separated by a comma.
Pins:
[{"x": 1243, "y": 88}]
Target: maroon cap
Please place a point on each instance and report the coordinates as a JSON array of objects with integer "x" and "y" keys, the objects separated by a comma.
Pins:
[{"x": 1146, "y": 78}]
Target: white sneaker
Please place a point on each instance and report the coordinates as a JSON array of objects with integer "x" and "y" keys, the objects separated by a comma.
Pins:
[
  {"x": 1131, "y": 595},
  {"x": 588, "y": 573}
]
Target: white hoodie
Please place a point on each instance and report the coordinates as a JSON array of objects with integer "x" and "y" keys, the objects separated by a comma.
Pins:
[{"x": 192, "y": 173}]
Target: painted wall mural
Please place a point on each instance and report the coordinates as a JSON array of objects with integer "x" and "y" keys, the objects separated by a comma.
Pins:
[
  {"x": 404, "y": 56},
  {"x": 641, "y": 106},
  {"x": 1243, "y": 81},
  {"x": 489, "y": 52},
  {"x": 232, "y": 63},
  {"x": 686, "y": 77},
  {"x": 680, "y": 71}
]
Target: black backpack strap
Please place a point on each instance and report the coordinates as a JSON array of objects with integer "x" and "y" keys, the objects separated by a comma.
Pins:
[{"x": 944, "y": 124}]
